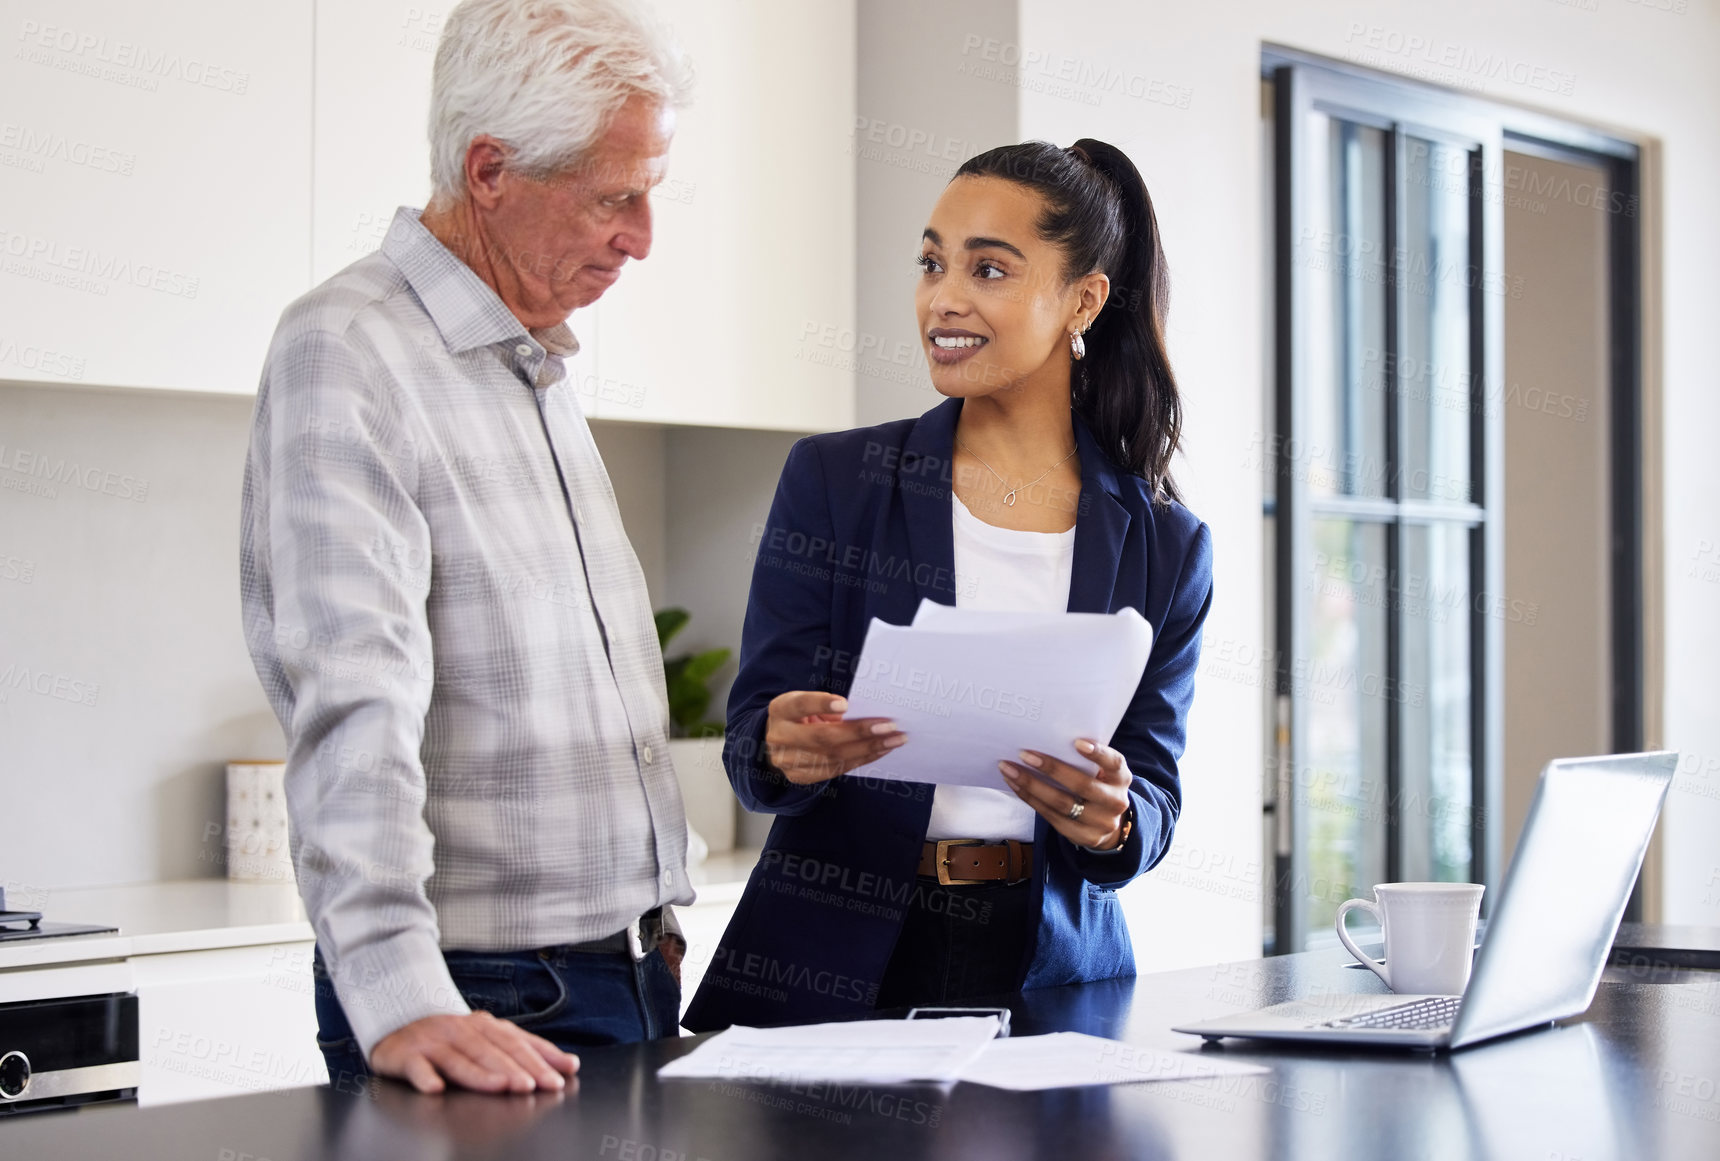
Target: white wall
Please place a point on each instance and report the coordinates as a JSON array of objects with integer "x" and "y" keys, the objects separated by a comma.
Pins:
[
  {"x": 935, "y": 90},
  {"x": 917, "y": 117},
  {"x": 118, "y": 775},
  {"x": 1193, "y": 131},
  {"x": 633, "y": 455},
  {"x": 1630, "y": 66},
  {"x": 693, "y": 499},
  {"x": 1558, "y": 666},
  {"x": 132, "y": 597},
  {"x": 720, "y": 483}
]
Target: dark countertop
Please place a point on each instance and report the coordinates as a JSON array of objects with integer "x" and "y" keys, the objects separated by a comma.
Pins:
[
  {"x": 1666, "y": 945},
  {"x": 1637, "y": 1077}
]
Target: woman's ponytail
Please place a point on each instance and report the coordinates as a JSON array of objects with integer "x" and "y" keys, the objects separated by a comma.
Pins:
[{"x": 1098, "y": 211}]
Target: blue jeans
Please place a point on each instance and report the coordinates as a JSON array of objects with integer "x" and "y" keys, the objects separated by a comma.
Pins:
[{"x": 574, "y": 999}]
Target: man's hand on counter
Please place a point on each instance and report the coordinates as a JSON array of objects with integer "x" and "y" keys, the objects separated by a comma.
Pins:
[{"x": 475, "y": 1051}]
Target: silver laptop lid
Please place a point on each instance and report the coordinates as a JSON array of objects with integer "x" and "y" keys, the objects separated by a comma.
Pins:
[{"x": 1566, "y": 889}]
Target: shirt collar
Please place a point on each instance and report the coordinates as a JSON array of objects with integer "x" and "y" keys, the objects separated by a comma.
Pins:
[
  {"x": 557, "y": 340},
  {"x": 466, "y": 311}
]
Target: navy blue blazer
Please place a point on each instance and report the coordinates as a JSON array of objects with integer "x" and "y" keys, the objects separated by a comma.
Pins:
[{"x": 861, "y": 528}]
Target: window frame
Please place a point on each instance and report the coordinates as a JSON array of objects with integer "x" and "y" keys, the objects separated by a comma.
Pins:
[{"x": 1303, "y": 83}]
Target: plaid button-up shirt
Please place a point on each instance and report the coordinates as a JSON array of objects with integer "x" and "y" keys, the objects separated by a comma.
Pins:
[{"x": 454, "y": 631}]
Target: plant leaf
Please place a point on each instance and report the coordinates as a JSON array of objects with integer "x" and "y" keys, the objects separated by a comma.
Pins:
[
  {"x": 700, "y": 666},
  {"x": 670, "y": 622}
]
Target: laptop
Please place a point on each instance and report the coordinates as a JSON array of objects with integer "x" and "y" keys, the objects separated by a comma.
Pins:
[{"x": 1551, "y": 931}]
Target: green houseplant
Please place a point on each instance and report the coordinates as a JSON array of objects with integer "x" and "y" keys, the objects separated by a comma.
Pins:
[
  {"x": 688, "y": 678},
  {"x": 695, "y": 744}
]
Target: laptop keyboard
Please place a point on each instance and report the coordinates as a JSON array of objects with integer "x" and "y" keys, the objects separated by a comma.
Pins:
[{"x": 1434, "y": 1012}]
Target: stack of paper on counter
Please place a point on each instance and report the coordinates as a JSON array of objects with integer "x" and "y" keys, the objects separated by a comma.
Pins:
[
  {"x": 961, "y": 1048},
  {"x": 853, "y": 1052},
  {"x": 970, "y": 688}
]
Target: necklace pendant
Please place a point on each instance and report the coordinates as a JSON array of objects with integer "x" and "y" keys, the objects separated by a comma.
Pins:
[{"x": 1009, "y": 498}]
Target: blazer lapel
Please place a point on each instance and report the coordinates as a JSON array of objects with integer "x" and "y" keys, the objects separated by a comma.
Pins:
[
  {"x": 1101, "y": 523},
  {"x": 923, "y": 481}
]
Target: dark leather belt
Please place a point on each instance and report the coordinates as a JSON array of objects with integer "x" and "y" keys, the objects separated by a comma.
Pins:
[
  {"x": 965, "y": 862},
  {"x": 650, "y": 931}
]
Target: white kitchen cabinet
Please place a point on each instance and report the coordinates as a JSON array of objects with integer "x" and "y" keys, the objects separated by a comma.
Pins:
[
  {"x": 155, "y": 184},
  {"x": 371, "y": 135},
  {"x": 222, "y": 972},
  {"x": 716, "y": 327},
  {"x": 753, "y": 256},
  {"x": 66, "y": 979},
  {"x": 372, "y": 140},
  {"x": 226, "y": 1021},
  {"x": 174, "y": 174}
]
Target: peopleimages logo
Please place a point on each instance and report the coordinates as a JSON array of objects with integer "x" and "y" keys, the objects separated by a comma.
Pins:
[
  {"x": 43, "y": 145},
  {"x": 1452, "y": 60},
  {"x": 86, "y": 52},
  {"x": 885, "y": 679},
  {"x": 767, "y": 970},
  {"x": 37, "y": 257},
  {"x": 42, "y": 360},
  {"x": 59, "y": 470},
  {"x": 1055, "y": 75},
  {"x": 47, "y": 684}
]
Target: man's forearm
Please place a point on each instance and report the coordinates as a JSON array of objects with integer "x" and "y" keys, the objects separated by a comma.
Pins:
[
  {"x": 386, "y": 984},
  {"x": 335, "y": 557}
]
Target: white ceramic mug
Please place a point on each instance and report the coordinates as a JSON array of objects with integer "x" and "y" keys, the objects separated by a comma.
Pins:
[{"x": 1429, "y": 931}]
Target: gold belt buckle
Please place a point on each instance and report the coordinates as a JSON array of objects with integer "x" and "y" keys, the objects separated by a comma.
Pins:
[{"x": 943, "y": 857}]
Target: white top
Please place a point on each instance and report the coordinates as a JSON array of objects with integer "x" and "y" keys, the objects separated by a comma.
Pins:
[{"x": 1000, "y": 570}]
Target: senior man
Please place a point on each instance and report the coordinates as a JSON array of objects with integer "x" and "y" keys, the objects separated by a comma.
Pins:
[{"x": 440, "y": 599}]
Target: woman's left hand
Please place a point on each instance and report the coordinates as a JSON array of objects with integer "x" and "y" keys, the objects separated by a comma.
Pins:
[{"x": 1053, "y": 787}]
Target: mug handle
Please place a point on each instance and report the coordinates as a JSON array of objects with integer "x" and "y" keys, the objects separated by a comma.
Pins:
[{"x": 1373, "y": 965}]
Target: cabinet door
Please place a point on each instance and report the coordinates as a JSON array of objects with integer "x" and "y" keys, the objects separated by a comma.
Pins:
[
  {"x": 373, "y": 61},
  {"x": 155, "y": 179},
  {"x": 716, "y": 326},
  {"x": 753, "y": 255},
  {"x": 224, "y": 1022}
]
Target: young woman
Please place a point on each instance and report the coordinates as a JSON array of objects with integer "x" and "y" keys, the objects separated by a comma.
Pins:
[{"x": 1042, "y": 482}]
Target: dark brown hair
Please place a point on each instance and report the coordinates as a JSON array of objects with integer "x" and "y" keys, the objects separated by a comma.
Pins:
[{"x": 1098, "y": 212}]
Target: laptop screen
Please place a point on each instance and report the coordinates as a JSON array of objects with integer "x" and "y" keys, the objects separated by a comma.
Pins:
[{"x": 1564, "y": 893}]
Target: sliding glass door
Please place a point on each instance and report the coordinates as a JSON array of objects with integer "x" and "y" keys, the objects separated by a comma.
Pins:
[
  {"x": 1386, "y": 499},
  {"x": 1386, "y": 495}
]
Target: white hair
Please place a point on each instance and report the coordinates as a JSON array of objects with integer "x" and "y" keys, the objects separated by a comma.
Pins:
[{"x": 545, "y": 78}]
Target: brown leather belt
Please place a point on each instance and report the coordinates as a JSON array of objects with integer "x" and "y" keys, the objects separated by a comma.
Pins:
[{"x": 964, "y": 862}]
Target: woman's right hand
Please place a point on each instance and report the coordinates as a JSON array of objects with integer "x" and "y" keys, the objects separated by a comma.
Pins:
[{"x": 807, "y": 739}]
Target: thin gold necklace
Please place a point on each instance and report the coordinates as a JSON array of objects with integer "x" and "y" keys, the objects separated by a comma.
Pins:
[{"x": 1009, "y": 496}]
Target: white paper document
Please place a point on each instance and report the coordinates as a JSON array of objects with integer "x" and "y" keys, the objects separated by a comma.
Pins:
[
  {"x": 961, "y": 1048},
  {"x": 1073, "y": 1060},
  {"x": 970, "y": 688},
  {"x": 852, "y": 1052}
]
